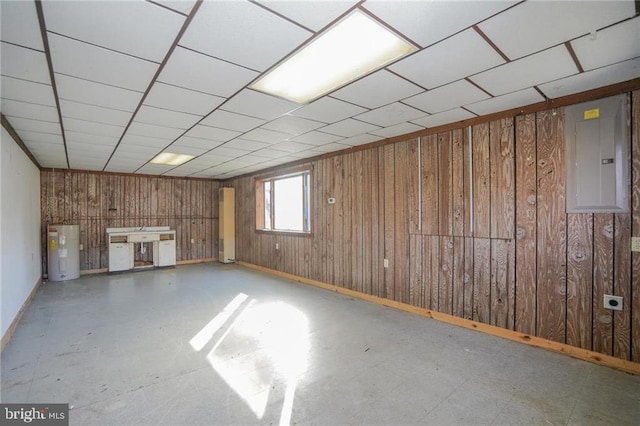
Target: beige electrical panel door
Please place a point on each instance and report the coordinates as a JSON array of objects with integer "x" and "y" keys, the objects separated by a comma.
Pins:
[{"x": 227, "y": 221}]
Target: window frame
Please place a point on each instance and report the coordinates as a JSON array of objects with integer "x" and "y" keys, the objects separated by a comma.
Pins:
[{"x": 260, "y": 200}]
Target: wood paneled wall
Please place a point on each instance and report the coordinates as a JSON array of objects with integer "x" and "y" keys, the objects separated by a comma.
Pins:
[
  {"x": 473, "y": 223},
  {"x": 98, "y": 201}
]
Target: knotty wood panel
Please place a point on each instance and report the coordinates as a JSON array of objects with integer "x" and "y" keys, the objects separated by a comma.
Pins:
[
  {"x": 551, "y": 220},
  {"x": 430, "y": 187},
  {"x": 458, "y": 286},
  {"x": 345, "y": 233},
  {"x": 431, "y": 270},
  {"x": 401, "y": 217},
  {"x": 635, "y": 226},
  {"x": 622, "y": 285},
  {"x": 467, "y": 175},
  {"x": 445, "y": 280},
  {"x": 526, "y": 202},
  {"x": 445, "y": 201},
  {"x": 413, "y": 187},
  {"x": 579, "y": 279},
  {"x": 458, "y": 183},
  {"x": 468, "y": 278},
  {"x": 502, "y": 283},
  {"x": 602, "y": 282},
  {"x": 502, "y": 178},
  {"x": 481, "y": 184},
  {"x": 482, "y": 280},
  {"x": 416, "y": 284},
  {"x": 357, "y": 220},
  {"x": 389, "y": 220}
]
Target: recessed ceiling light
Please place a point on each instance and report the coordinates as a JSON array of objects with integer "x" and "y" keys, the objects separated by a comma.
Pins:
[
  {"x": 170, "y": 159},
  {"x": 353, "y": 47}
]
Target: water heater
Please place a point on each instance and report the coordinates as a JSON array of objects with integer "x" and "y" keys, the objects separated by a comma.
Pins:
[{"x": 63, "y": 252}]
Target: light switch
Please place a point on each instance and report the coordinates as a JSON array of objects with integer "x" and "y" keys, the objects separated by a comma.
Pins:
[{"x": 635, "y": 244}]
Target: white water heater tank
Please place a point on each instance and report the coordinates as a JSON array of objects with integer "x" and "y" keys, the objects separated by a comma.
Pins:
[{"x": 63, "y": 252}]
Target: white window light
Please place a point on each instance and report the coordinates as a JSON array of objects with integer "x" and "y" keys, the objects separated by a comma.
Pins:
[
  {"x": 170, "y": 159},
  {"x": 353, "y": 47}
]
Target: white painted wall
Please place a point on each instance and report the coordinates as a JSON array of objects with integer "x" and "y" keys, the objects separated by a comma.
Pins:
[{"x": 20, "y": 267}]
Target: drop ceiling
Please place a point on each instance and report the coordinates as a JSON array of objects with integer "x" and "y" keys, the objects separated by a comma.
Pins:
[{"x": 107, "y": 85}]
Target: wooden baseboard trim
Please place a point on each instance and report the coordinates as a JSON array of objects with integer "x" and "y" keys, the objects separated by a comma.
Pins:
[
  {"x": 180, "y": 262},
  {"x": 572, "y": 351},
  {"x": 14, "y": 324},
  {"x": 94, "y": 271}
]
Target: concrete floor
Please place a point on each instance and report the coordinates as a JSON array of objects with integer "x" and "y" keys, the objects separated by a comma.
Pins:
[{"x": 221, "y": 344}]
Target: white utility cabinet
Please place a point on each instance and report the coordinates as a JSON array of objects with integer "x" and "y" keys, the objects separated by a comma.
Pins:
[{"x": 122, "y": 246}]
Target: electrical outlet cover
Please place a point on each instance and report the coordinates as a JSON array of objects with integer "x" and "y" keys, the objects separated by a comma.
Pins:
[{"x": 613, "y": 302}]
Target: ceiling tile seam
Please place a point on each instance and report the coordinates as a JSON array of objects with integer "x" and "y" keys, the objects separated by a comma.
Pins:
[
  {"x": 36, "y": 131},
  {"x": 415, "y": 107},
  {"x": 541, "y": 92},
  {"x": 389, "y": 27},
  {"x": 97, "y": 82},
  {"x": 24, "y": 79},
  {"x": 278, "y": 14},
  {"x": 92, "y": 121},
  {"x": 217, "y": 59},
  {"x": 47, "y": 52},
  {"x": 188, "y": 88},
  {"x": 9, "y": 128},
  {"x": 182, "y": 30},
  {"x": 348, "y": 102},
  {"x": 406, "y": 79},
  {"x": 170, "y": 110},
  {"x": 167, "y": 8},
  {"x": 31, "y": 119},
  {"x": 572, "y": 52},
  {"x": 490, "y": 43},
  {"x": 469, "y": 111},
  {"x": 93, "y": 105},
  {"x": 21, "y": 46},
  {"x": 101, "y": 47},
  {"x": 29, "y": 103},
  {"x": 468, "y": 80}
]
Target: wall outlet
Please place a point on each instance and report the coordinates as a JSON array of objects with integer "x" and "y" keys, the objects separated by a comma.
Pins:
[
  {"x": 613, "y": 302},
  {"x": 81, "y": 247},
  {"x": 635, "y": 243},
  {"x": 193, "y": 240},
  {"x": 385, "y": 263},
  {"x": 277, "y": 246}
]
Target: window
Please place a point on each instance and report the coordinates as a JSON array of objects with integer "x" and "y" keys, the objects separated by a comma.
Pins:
[{"x": 283, "y": 203}]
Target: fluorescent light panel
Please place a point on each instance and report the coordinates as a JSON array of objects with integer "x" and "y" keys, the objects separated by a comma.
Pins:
[
  {"x": 170, "y": 159},
  {"x": 353, "y": 47}
]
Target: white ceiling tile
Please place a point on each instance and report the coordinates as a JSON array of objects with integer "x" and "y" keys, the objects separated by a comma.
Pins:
[
  {"x": 23, "y": 63},
  {"x": 83, "y": 163},
  {"x": 316, "y": 138},
  {"x": 397, "y": 130},
  {"x": 328, "y": 110},
  {"x": 253, "y": 37},
  {"x": 94, "y": 141},
  {"x": 92, "y": 150},
  {"x": 611, "y": 45},
  {"x": 212, "y": 133},
  {"x": 360, "y": 140},
  {"x": 505, "y": 102},
  {"x": 143, "y": 30},
  {"x": 391, "y": 114},
  {"x": 536, "y": 25},
  {"x": 27, "y": 91},
  {"x": 331, "y": 147},
  {"x": 52, "y": 150},
  {"x": 314, "y": 15},
  {"x": 36, "y": 137},
  {"x": 34, "y": 125},
  {"x": 189, "y": 150},
  {"x": 165, "y": 117},
  {"x": 246, "y": 145},
  {"x": 153, "y": 169},
  {"x": 536, "y": 69},
  {"x": 121, "y": 166},
  {"x": 93, "y": 63},
  {"x": 349, "y": 127},
  {"x": 259, "y": 105},
  {"x": 175, "y": 98},
  {"x": 446, "y": 117},
  {"x": 26, "y": 110},
  {"x": 182, "y": 6},
  {"x": 427, "y": 22},
  {"x": 264, "y": 135},
  {"x": 19, "y": 24},
  {"x": 45, "y": 162},
  {"x": 378, "y": 89},
  {"x": 94, "y": 113},
  {"x": 600, "y": 77},
  {"x": 154, "y": 131},
  {"x": 457, "y": 57},
  {"x": 193, "y": 70},
  {"x": 232, "y": 121},
  {"x": 291, "y": 146},
  {"x": 198, "y": 143},
  {"x": 136, "y": 151},
  {"x": 447, "y": 97},
  {"x": 224, "y": 152},
  {"x": 92, "y": 128},
  {"x": 292, "y": 125},
  {"x": 88, "y": 92},
  {"x": 270, "y": 153}
]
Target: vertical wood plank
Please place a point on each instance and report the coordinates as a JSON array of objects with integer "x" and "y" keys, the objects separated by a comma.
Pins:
[
  {"x": 368, "y": 234},
  {"x": 381, "y": 222},
  {"x": 445, "y": 280},
  {"x": 401, "y": 232},
  {"x": 457, "y": 183},
  {"x": 416, "y": 286},
  {"x": 602, "y": 282},
  {"x": 551, "y": 231},
  {"x": 389, "y": 220},
  {"x": 526, "y": 209},
  {"x": 429, "y": 151},
  {"x": 635, "y": 225},
  {"x": 338, "y": 272},
  {"x": 357, "y": 219},
  {"x": 579, "y": 279},
  {"x": 413, "y": 176},
  {"x": 481, "y": 182},
  {"x": 622, "y": 285},
  {"x": 467, "y": 174},
  {"x": 482, "y": 280},
  {"x": 458, "y": 285},
  {"x": 468, "y": 278},
  {"x": 345, "y": 233},
  {"x": 501, "y": 137},
  {"x": 445, "y": 202},
  {"x": 502, "y": 283}
]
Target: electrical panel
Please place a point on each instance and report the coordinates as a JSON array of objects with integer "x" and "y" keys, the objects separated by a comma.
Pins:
[{"x": 597, "y": 153}]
